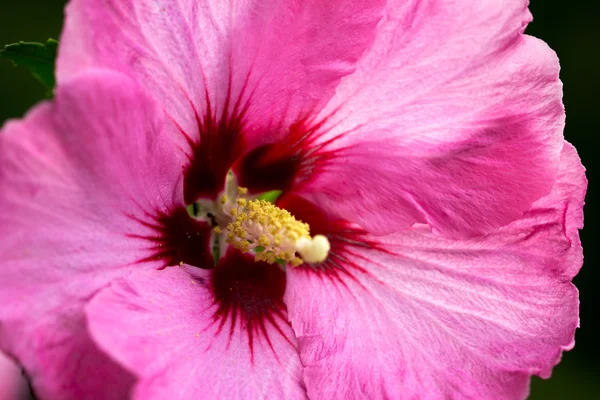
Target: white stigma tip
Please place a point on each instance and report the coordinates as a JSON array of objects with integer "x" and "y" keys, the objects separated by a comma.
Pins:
[{"x": 313, "y": 250}]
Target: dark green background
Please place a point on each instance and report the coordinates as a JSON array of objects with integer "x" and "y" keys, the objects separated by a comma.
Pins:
[{"x": 571, "y": 28}]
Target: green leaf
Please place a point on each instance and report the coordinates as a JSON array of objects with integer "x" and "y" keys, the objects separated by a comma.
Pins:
[
  {"x": 39, "y": 58},
  {"x": 270, "y": 196}
]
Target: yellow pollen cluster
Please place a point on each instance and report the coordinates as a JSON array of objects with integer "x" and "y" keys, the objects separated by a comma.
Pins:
[{"x": 270, "y": 231}]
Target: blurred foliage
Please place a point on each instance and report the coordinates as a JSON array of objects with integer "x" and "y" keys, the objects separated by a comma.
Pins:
[
  {"x": 571, "y": 28},
  {"x": 38, "y": 58}
]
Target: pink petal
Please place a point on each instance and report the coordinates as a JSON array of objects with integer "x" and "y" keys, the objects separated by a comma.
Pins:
[
  {"x": 223, "y": 68},
  {"x": 82, "y": 180},
  {"x": 58, "y": 355},
  {"x": 453, "y": 118},
  {"x": 12, "y": 383},
  {"x": 170, "y": 327},
  {"x": 418, "y": 316}
]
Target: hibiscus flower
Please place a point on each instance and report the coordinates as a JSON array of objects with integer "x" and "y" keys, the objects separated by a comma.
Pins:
[{"x": 422, "y": 246}]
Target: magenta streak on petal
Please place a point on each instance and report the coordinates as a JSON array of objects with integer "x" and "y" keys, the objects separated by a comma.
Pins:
[
  {"x": 220, "y": 144},
  {"x": 176, "y": 238},
  {"x": 249, "y": 295},
  {"x": 287, "y": 163}
]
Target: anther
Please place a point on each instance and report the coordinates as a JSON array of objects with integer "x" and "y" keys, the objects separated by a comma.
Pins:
[{"x": 273, "y": 234}]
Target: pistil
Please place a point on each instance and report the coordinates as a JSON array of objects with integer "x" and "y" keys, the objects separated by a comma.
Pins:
[
  {"x": 257, "y": 226},
  {"x": 273, "y": 234}
]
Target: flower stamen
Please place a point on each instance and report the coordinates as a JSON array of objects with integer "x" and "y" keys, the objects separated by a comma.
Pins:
[{"x": 273, "y": 234}]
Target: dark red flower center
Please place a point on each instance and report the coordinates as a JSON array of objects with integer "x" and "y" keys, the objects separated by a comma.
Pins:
[
  {"x": 248, "y": 294},
  {"x": 174, "y": 238}
]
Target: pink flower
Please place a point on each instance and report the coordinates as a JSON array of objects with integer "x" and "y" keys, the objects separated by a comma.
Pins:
[{"x": 420, "y": 141}]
